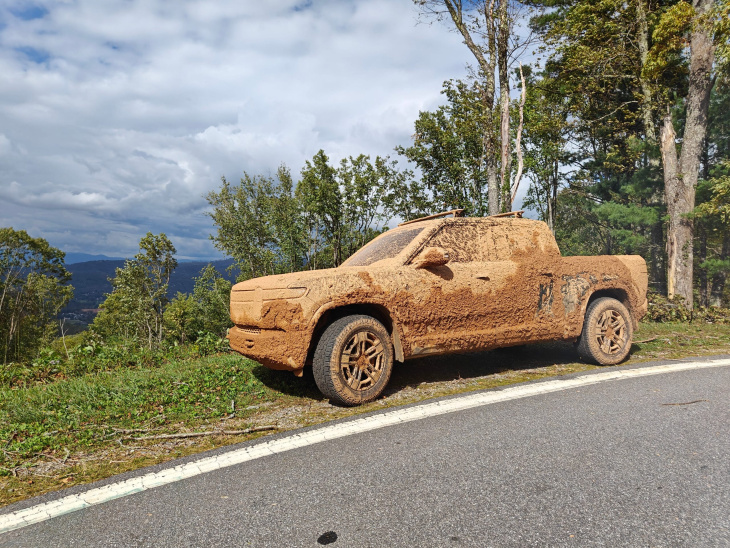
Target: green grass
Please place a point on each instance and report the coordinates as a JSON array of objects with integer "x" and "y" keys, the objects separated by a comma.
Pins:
[
  {"x": 86, "y": 420},
  {"x": 83, "y": 412}
]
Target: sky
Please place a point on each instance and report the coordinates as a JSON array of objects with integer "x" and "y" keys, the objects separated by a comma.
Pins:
[{"x": 118, "y": 116}]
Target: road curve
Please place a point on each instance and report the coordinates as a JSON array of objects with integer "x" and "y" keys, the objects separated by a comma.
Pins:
[{"x": 621, "y": 456}]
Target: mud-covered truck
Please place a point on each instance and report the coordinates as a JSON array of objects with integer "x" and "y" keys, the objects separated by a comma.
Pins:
[{"x": 437, "y": 285}]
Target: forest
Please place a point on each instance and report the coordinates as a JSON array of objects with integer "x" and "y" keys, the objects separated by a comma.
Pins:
[{"x": 611, "y": 117}]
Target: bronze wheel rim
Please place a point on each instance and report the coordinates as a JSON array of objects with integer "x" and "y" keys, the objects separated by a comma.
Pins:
[
  {"x": 611, "y": 332},
  {"x": 362, "y": 360}
]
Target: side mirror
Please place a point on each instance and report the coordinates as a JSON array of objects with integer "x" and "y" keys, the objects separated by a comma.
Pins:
[{"x": 432, "y": 256}]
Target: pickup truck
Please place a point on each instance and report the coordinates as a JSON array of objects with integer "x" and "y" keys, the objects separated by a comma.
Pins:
[{"x": 437, "y": 285}]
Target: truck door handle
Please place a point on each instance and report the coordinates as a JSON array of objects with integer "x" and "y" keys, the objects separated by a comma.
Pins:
[{"x": 483, "y": 277}]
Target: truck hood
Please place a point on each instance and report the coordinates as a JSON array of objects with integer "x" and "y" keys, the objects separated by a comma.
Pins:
[{"x": 285, "y": 281}]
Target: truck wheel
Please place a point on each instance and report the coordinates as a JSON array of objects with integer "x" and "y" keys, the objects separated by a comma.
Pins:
[
  {"x": 353, "y": 360},
  {"x": 607, "y": 332}
]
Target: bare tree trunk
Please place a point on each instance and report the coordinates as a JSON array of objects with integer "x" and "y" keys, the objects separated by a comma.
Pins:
[
  {"x": 679, "y": 231},
  {"x": 492, "y": 184},
  {"x": 658, "y": 278},
  {"x": 702, "y": 257},
  {"x": 518, "y": 139},
  {"x": 502, "y": 64},
  {"x": 553, "y": 197},
  {"x": 718, "y": 280},
  {"x": 647, "y": 105},
  {"x": 680, "y": 180},
  {"x": 486, "y": 66}
]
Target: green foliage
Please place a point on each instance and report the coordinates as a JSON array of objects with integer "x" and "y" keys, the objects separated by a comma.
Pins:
[
  {"x": 134, "y": 310},
  {"x": 273, "y": 226},
  {"x": 206, "y": 311},
  {"x": 669, "y": 41},
  {"x": 663, "y": 310},
  {"x": 182, "y": 318},
  {"x": 208, "y": 343},
  {"x": 721, "y": 27},
  {"x": 33, "y": 289},
  {"x": 244, "y": 219},
  {"x": 448, "y": 148},
  {"x": 545, "y": 142},
  {"x": 717, "y": 204}
]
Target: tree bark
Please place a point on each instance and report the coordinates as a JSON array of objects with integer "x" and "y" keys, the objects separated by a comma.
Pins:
[
  {"x": 718, "y": 280},
  {"x": 518, "y": 140},
  {"x": 647, "y": 104},
  {"x": 487, "y": 67},
  {"x": 679, "y": 230},
  {"x": 502, "y": 64},
  {"x": 702, "y": 257},
  {"x": 680, "y": 181}
]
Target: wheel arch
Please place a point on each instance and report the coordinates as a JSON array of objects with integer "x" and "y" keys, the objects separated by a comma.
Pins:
[
  {"x": 326, "y": 315},
  {"x": 617, "y": 293}
]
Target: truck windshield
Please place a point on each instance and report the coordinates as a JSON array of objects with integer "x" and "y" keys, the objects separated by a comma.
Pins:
[{"x": 386, "y": 246}]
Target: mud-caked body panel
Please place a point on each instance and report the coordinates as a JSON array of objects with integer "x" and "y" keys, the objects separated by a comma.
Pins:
[{"x": 505, "y": 284}]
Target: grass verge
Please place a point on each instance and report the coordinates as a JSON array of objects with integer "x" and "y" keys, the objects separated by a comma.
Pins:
[{"x": 79, "y": 430}]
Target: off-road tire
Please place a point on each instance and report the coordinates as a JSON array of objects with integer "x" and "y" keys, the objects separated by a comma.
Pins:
[
  {"x": 607, "y": 332},
  {"x": 353, "y": 360}
]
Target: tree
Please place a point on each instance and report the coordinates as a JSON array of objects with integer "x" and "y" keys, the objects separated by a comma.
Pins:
[
  {"x": 243, "y": 218},
  {"x": 627, "y": 67},
  {"x": 546, "y": 139},
  {"x": 322, "y": 206},
  {"x": 681, "y": 172},
  {"x": 712, "y": 217},
  {"x": 448, "y": 149},
  {"x": 206, "y": 310},
  {"x": 33, "y": 289},
  {"x": 488, "y": 30},
  {"x": 274, "y": 226},
  {"x": 135, "y": 307}
]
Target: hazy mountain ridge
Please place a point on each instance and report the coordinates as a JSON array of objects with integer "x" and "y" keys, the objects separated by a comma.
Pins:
[{"x": 91, "y": 282}]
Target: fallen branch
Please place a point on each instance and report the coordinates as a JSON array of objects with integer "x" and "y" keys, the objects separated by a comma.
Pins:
[
  {"x": 647, "y": 340},
  {"x": 201, "y": 434},
  {"x": 130, "y": 430}
]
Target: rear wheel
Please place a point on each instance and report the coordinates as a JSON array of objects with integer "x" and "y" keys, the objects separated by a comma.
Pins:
[
  {"x": 353, "y": 360},
  {"x": 607, "y": 332}
]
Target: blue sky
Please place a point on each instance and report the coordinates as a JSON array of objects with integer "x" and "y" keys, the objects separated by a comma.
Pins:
[{"x": 117, "y": 116}]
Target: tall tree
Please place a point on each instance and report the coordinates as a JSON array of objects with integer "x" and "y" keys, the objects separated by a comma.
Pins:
[
  {"x": 634, "y": 65},
  {"x": 244, "y": 230},
  {"x": 135, "y": 307},
  {"x": 681, "y": 173},
  {"x": 33, "y": 289},
  {"x": 448, "y": 149},
  {"x": 488, "y": 30},
  {"x": 546, "y": 144}
]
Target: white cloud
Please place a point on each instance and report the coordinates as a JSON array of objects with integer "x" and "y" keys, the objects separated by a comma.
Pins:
[{"x": 118, "y": 115}]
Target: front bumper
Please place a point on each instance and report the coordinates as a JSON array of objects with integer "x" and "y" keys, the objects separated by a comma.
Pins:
[{"x": 273, "y": 348}]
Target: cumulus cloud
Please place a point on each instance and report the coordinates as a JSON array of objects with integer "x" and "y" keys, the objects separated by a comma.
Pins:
[{"x": 117, "y": 116}]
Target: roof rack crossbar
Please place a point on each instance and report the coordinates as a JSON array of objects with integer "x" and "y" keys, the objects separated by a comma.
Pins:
[
  {"x": 454, "y": 212},
  {"x": 515, "y": 214}
]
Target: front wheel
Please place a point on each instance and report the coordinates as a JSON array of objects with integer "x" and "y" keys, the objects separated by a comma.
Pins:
[
  {"x": 353, "y": 360},
  {"x": 607, "y": 332}
]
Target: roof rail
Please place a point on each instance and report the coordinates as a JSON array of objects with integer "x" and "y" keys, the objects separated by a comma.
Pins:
[
  {"x": 515, "y": 214},
  {"x": 454, "y": 212}
]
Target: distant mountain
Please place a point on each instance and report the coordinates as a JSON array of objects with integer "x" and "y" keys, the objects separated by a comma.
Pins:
[
  {"x": 73, "y": 258},
  {"x": 91, "y": 283}
]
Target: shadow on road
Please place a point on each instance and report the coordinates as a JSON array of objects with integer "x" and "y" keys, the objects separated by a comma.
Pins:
[{"x": 436, "y": 369}]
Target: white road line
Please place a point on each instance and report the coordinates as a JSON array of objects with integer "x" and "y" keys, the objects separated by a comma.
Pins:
[{"x": 72, "y": 503}]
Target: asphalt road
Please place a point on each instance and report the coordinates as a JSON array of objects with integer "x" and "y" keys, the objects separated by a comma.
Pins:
[{"x": 633, "y": 462}]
